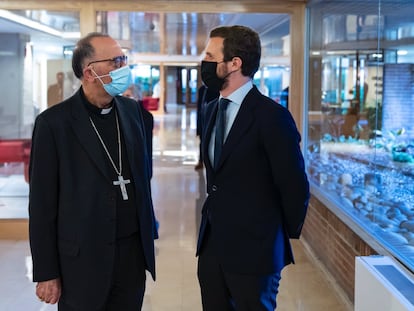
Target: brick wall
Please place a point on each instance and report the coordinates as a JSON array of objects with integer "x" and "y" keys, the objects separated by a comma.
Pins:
[
  {"x": 398, "y": 108},
  {"x": 334, "y": 244}
]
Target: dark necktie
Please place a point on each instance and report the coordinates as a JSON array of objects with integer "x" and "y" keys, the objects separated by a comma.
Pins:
[{"x": 220, "y": 129}]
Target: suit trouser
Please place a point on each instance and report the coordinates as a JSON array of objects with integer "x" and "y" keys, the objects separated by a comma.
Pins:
[
  {"x": 128, "y": 279},
  {"x": 226, "y": 291}
]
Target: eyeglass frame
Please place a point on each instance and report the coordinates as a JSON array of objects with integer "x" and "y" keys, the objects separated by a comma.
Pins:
[{"x": 118, "y": 60}]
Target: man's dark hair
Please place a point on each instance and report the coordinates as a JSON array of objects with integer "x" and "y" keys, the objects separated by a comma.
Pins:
[
  {"x": 243, "y": 42},
  {"x": 83, "y": 51}
]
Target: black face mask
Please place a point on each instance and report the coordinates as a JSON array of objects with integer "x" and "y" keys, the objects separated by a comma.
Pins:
[{"x": 209, "y": 76}]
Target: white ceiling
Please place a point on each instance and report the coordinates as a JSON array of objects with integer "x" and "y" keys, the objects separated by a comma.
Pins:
[{"x": 44, "y": 43}]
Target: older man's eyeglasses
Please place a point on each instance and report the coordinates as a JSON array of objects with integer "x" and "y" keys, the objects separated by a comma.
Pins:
[{"x": 117, "y": 60}]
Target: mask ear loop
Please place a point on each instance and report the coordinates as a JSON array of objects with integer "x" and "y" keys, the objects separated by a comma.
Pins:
[
  {"x": 99, "y": 77},
  {"x": 234, "y": 63}
]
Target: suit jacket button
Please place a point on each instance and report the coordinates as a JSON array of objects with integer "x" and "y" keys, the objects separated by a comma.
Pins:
[{"x": 214, "y": 188}]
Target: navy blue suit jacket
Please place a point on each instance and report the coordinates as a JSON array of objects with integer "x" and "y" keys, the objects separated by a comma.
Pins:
[{"x": 258, "y": 195}]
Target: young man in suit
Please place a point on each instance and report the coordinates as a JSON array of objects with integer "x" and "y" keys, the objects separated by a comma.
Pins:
[
  {"x": 257, "y": 187},
  {"x": 91, "y": 219}
]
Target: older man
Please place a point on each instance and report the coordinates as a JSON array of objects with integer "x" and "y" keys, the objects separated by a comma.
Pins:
[{"x": 91, "y": 219}]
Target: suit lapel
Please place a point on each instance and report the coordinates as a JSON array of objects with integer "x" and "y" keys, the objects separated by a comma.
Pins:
[
  {"x": 86, "y": 135},
  {"x": 132, "y": 133},
  {"x": 241, "y": 124},
  {"x": 211, "y": 120}
]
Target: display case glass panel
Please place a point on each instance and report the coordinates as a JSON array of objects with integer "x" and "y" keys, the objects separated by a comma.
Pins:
[
  {"x": 35, "y": 47},
  {"x": 360, "y": 143}
]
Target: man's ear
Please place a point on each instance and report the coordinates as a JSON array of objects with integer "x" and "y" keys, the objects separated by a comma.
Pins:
[
  {"x": 88, "y": 75},
  {"x": 236, "y": 62}
]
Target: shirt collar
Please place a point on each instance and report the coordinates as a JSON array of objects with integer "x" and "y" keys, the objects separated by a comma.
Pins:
[
  {"x": 238, "y": 95},
  {"x": 92, "y": 108}
]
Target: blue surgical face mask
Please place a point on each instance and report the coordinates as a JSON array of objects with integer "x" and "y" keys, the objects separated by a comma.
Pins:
[{"x": 121, "y": 80}]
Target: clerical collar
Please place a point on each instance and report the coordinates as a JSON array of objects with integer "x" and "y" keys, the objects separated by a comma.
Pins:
[
  {"x": 96, "y": 110},
  {"x": 106, "y": 110}
]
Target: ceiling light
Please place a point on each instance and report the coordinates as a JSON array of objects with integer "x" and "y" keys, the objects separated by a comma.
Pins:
[{"x": 36, "y": 25}]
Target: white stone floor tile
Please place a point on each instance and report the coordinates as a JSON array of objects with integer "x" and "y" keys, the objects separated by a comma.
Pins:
[{"x": 178, "y": 193}]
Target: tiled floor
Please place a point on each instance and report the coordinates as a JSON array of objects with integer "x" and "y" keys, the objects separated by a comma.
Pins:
[{"x": 178, "y": 192}]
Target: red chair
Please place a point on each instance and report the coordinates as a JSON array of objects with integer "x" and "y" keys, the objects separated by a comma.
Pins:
[
  {"x": 151, "y": 103},
  {"x": 16, "y": 150}
]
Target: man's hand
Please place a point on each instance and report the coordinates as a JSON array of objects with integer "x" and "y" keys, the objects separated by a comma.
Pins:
[{"x": 49, "y": 291}]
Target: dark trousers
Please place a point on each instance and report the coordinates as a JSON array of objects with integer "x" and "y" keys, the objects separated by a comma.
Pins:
[
  {"x": 200, "y": 151},
  {"x": 225, "y": 291},
  {"x": 128, "y": 279}
]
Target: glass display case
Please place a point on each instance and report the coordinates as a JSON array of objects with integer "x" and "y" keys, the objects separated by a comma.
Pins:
[
  {"x": 273, "y": 81},
  {"x": 360, "y": 141}
]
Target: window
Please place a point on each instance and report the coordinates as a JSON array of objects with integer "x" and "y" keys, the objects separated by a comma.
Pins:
[
  {"x": 360, "y": 144},
  {"x": 35, "y": 48}
]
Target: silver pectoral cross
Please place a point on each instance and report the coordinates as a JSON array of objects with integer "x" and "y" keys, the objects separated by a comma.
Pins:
[{"x": 121, "y": 182}]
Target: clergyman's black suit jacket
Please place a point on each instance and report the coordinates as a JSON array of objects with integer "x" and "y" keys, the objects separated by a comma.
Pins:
[
  {"x": 258, "y": 196},
  {"x": 72, "y": 205}
]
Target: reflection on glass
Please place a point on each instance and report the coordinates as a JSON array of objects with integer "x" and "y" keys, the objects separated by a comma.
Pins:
[
  {"x": 64, "y": 21},
  {"x": 36, "y": 73},
  {"x": 272, "y": 82},
  {"x": 146, "y": 78},
  {"x": 187, "y": 33},
  {"x": 361, "y": 116}
]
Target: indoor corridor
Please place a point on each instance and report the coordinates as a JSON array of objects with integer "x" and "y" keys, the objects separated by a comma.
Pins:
[{"x": 178, "y": 192}]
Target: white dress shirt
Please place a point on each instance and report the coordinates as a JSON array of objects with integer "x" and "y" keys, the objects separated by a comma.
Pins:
[{"x": 232, "y": 109}]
